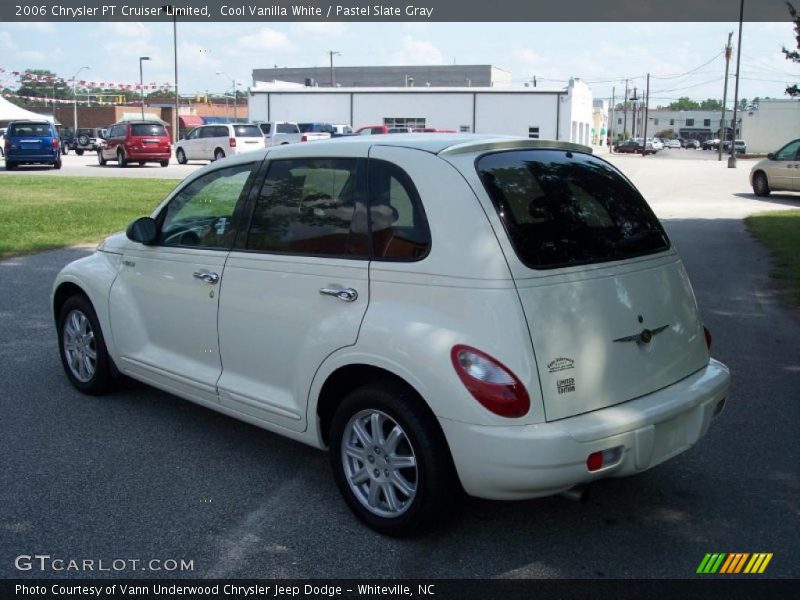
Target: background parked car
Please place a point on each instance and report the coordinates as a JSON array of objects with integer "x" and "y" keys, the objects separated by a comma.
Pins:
[
  {"x": 136, "y": 141},
  {"x": 314, "y": 131},
  {"x": 31, "y": 142},
  {"x": 673, "y": 144},
  {"x": 372, "y": 130},
  {"x": 780, "y": 171},
  {"x": 656, "y": 143},
  {"x": 634, "y": 147},
  {"x": 213, "y": 142},
  {"x": 693, "y": 144},
  {"x": 739, "y": 145},
  {"x": 88, "y": 139},
  {"x": 279, "y": 133},
  {"x": 2, "y": 140}
]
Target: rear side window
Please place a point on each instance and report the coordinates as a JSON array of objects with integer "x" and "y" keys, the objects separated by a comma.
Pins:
[
  {"x": 312, "y": 207},
  {"x": 399, "y": 227},
  {"x": 286, "y": 128},
  {"x": 265, "y": 128},
  {"x": 148, "y": 129},
  {"x": 247, "y": 131},
  {"x": 561, "y": 208},
  {"x": 25, "y": 129}
]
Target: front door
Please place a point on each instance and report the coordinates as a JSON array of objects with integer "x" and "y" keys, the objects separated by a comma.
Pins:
[
  {"x": 784, "y": 171},
  {"x": 296, "y": 289},
  {"x": 164, "y": 301}
]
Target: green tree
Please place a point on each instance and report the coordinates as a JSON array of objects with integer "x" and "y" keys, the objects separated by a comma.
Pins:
[
  {"x": 665, "y": 133},
  {"x": 711, "y": 104},
  {"x": 43, "y": 83},
  {"x": 793, "y": 55},
  {"x": 684, "y": 103}
]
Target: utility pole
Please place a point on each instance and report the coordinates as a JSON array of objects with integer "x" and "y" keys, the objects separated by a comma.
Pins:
[
  {"x": 625, "y": 112},
  {"x": 732, "y": 159},
  {"x": 613, "y": 120},
  {"x": 728, "y": 51},
  {"x": 333, "y": 53},
  {"x": 646, "y": 112},
  {"x": 633, "y": 123}
]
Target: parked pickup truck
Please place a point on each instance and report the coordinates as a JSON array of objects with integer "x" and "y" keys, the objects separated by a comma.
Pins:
[
  {"x": 278, "y": 133},
  {"x": 313, "y": 132}
]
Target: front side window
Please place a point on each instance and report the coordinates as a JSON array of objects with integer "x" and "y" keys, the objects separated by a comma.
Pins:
[
  {"x": 310, "y": 206},
  {"x": 788, "y": 152},
  {"x": 562, "y": 208},
  {"x": 399, "y": 227},
  {"x": 200, "y": 214},
  {"x": 194, "y": 134}
]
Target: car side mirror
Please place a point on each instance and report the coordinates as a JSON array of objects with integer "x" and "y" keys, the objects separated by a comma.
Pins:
[
  {"x": 771, "y": 156},
  {"x": 143, "y": 230}
]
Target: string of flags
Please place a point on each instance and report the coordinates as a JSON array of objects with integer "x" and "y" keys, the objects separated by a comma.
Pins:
[
  {"x": 82, "y": 83},
  {"x": 51, "y": 101}
]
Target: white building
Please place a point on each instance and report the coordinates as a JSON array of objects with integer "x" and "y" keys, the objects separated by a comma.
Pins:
[
  {"x": 558, "y": 114},
  {"x": 599, "y": 122},
  {"x": 770, "y": 125}
]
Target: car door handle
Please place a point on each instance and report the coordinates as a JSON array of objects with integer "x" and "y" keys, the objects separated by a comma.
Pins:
[
  {"x": 211, "y": 278},
  {"x": 346, "y": 294}
]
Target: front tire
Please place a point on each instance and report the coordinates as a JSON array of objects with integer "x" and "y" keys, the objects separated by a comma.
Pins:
[
  {"x": 121, "y": 161},
  {"x": 180, "y": 156},
  {"x": 101, "y": 159},
  {"x": 83, "y": 349},
  {"x": 761, "y": 185},
  {"x": 390, "y": 460}
]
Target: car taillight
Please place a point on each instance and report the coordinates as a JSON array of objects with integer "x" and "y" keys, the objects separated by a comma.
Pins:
[
  {"x": 708, "y": 337},
  {"x": 304, "y": 138},
  {"x": 7, "y": 144},
  {"x": 54, "y": 143},
  {"x": 490, "y": 382},
  {"x": 232, "y": 142}
]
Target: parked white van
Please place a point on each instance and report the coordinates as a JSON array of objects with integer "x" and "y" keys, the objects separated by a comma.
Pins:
[
  {"x": 214, "y": 142},
  {"x": 440, "y": 312}
]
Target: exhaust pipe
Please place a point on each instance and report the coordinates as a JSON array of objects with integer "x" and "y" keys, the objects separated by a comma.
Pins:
[{"x": 579, "y": 493}]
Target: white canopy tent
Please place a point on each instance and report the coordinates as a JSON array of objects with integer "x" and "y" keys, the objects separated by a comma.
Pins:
[{"x": 11, "y": 112}]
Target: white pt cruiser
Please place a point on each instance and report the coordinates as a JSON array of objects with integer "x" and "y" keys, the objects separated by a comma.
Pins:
[{"x": 441, "y": 312}]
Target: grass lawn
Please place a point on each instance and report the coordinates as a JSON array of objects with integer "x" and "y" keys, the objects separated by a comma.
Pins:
[
  {"x": 780, "y": 232},
  {"x": 40, "y": 213}
]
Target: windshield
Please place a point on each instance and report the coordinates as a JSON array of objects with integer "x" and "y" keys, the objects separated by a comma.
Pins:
[{"x": 562, "y": 208}]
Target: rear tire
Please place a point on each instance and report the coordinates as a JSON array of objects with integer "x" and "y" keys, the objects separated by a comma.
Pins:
[
  {"x": 219, "y": 154},
  {"x": 164, "y": 163},
  {"x": 83, "y": 349},
  {"x": 142, "y": 163},
  {"x": 391, "y": 461},
  {"x": 121, "y": 161},
  {"x": 10, "y": 166},
  {"x": 761, "y": 185},
  {"x": 57, "y": 164}
]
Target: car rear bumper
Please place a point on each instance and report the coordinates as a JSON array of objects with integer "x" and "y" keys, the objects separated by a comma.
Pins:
[
  {"x": 543, "y": 459},
  {"x": 148, "y": 155},
  {"x": 32, "y": 158}
]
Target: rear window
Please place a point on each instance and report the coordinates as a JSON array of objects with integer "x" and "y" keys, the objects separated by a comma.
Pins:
[
  {"x": 28, "y": 129},
  {"x": 562, "y": 208},
  {"x": 265, "y": 127},
  {"x": 247, "y": 131},
  {"x": 148, "y": 129}
]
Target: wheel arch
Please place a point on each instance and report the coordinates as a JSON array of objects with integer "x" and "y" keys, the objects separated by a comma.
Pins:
[{"x": 64, "y": 292}]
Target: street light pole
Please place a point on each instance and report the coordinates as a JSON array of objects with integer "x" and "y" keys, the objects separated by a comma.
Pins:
[
  {"x": 141, "y": 81},
  {"x": 75, "y": 99},
  {"x": 235, "y": 100},
  {"x": 724, "y": 97}
]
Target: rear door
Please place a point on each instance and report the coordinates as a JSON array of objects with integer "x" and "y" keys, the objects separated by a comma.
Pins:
[
  {"x": 248, "y": 138},
  {"x": 296, "y": 286},
  {"x": 608, "y": 304},
  {"x": 30, "y": 140},
  {"x": 149, "y": 138}
]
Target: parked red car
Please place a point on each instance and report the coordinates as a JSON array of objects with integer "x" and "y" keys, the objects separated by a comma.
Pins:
[
  {"x": 135, "y": 141},
  {"x": 433, "y": 130}
]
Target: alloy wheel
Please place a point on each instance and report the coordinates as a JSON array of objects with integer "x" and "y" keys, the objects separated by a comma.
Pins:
[{"x": 80, "y": 348}]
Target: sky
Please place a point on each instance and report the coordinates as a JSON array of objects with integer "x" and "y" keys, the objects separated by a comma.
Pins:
[{"x": 684, "y": 59}]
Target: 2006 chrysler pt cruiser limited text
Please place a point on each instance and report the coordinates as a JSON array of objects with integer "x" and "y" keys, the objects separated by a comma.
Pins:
[{"x": 442, "y": 312}]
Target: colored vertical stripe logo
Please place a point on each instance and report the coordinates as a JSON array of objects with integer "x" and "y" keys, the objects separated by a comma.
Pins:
[{"x": 734, "y": 563}]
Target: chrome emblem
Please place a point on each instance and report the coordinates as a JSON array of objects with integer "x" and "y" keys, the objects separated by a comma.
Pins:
[{"x": 643, "y": 337}]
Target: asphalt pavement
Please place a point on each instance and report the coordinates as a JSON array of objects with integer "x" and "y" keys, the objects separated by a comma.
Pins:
[{"x": 144, "y": 475}]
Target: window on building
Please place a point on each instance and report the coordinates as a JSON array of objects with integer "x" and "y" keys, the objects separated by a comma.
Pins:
[
  {"x": 464, "y": 128},
  {"x": 412, "y": 122},
  {"x": 533, "y": 132},
  {"x": 690, "y": 122},
  {"x": 706, "y": 122},
  {"x": 672, "y": 121},
  {"x": 619, "y": 121}
]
